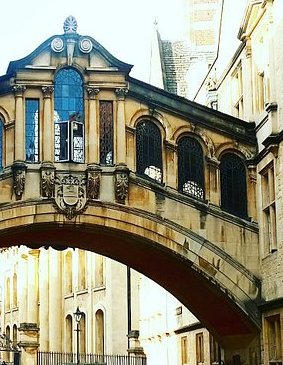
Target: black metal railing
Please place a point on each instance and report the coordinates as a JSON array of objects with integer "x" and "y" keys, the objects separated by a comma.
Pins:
[{"x": 63, "y": 358}]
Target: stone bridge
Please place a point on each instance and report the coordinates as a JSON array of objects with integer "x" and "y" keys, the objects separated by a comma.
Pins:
[{"x": 93, "y": 158}]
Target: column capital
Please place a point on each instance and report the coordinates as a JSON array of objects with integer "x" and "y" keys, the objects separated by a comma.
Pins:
[
  {"x": 47, "y": 91},
  {"x": 19, "y": 90},
  {"x": 121, "y": 93},
  {"x": 92, "y": 91}
]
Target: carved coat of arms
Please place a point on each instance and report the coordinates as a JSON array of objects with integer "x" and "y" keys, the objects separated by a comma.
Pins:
[{"x": 70, "y": 194}]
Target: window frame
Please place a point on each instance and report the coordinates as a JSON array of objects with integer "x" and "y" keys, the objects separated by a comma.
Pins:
[
  {"x": 35, "y": 125},
  {"x": 69, "y": 114},
  {"x": 149, "y": 141}
]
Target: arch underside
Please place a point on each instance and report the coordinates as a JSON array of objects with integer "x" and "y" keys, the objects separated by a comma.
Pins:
[{"x": 151, "y": 253}]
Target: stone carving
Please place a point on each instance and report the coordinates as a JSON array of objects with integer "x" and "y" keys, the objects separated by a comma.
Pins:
[
  {"x": 121, "y": 183},
  {"x": 85, "y": 45},
  {"x": 47, "y": 91},
  {"x": 92, "y": 91},
  {"x": 70, "y": 25},
  {"x": 70, "y": 194},
  {"x": 57, "y": 44},
  {"x": 121, "y": 93},
  {"x": 48, "y": 183},
  {"x": 19, "y": 89},
  {"x": 19, "y": 178},
  {"x": 93, "y": 182}
]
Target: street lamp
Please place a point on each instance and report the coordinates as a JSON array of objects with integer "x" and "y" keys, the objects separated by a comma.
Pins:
[{"x": 78, "y": 316}]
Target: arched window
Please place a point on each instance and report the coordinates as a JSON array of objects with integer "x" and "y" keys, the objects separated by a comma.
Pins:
[
  {"x": 69, "y": 333},
  {"x": 69, "y": 116},
  {"x": 1, "y": 143},
  {"x": 233, "y": 185},
  {"x": 81, "y": 269},
  {"x": 99, "y": 332},
  {"x": 149, "y": 150},
  {"x": 15, "y": 290},
  {"x": 190, "y": 167},
  {"x": 15, "y": 335}
]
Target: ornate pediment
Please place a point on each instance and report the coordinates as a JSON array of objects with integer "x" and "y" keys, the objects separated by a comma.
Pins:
[{"x": 72, "y": 47}]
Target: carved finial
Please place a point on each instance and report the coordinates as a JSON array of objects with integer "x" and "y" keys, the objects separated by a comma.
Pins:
[{"x": 70, "y": 25}]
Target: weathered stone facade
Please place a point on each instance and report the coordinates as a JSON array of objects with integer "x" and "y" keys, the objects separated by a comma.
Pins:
[{"x": 103, "y": 166}]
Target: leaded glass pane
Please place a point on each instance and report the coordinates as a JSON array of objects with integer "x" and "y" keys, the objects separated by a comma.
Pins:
[
  {"x": 106, "y": 132},
  {"x": 233, "y": 185},
  {"x": 69, "y": 116},
  {"x": 31, "y": 130},
  {"x": 149, "y": 150},
  {"x": 190, "y": 167},
  {"x": 1, "y": 144}
]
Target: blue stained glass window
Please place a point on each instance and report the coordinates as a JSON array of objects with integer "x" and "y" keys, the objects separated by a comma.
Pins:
[
  {"x": 31, "y": 130},
  {"x": 1, "y": 144},
  {"x": 69, "y": 116}
]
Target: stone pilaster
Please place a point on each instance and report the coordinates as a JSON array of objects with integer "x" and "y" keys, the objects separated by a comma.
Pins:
[
  {"x": 135, "y": 348},
  {"x": 92, "y": 127},
  {"x": 48, "y": 125},
  {"x": 32, "y": 304},
  {"x": 43, "y": 299},
  {"x": 28, "y": 343},
  {"x": 19, "y": 123},
  {"x": 121, "y": 126},
  {"x": 55, "y": 307},
  {"x": 212, "y": 186},
  {"x": 171, "y": 163}
]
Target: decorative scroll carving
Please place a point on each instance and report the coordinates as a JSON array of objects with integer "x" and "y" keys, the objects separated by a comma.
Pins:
[
  {"x": 93, "y": 182},
  {"x": 57, "y": 44},
  {"x": 47, "y": 91},
  {"x": 19, "y": 89},
  {"x": 19, "y": 178},
  {"x": 121, "y": 183},
  {"x": 70, "y": 194},
  {"x": 85, "y": 45},
  {"x": 121, "y": 93},
  {"x": 47, "y": 180},
  {"x": 92, "y": 91}
]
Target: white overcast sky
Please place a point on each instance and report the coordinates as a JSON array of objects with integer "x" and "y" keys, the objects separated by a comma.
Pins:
[{"x": 123, "y": 27}]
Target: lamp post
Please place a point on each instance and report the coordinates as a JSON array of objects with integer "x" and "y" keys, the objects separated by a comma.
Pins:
[{"x": 78, "y": 316}]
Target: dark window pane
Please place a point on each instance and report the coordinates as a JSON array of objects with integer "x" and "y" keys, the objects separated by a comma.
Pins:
[
  {"x": 149, "y": 150},
  {"x": 31, "y": 130},
  {"x": 106, "y": 132},
  {"x": 190, "y": 167},
  {"x": 233, "y": 185}
]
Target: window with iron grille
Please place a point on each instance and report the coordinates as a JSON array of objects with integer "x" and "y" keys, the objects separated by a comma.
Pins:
[
  {"x": 233, "y": 185},
  {"x": 69, "y": 116},
  {"x": 190, "y": 167},
  {"x": 106, "y": 132},
  {"x": 1, "y": 143},
  {"x": 149, "y": 150},
  {"x": 32, "y": 130}
]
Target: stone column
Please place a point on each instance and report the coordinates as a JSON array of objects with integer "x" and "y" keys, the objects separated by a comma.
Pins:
[
  {"x": 43, "y": 299},
  {"x": 252, "y": 197},
  {"x": 55, "y": 301},
  {"x": 171, "y": 163},
  {"x": 19, "y": 123},
  {"x": 93, "y": 128},
  {"x": 212, "y": 185},
  {"x": 121, "y": 126},
  {"x": 22, "y": 288},
  {"x": 28, "y": 343},
  {"x": 48, "y": 125},
  {"x": 32, "y": 304}
]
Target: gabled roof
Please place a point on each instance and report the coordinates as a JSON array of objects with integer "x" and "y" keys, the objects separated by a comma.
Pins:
[{"x": 70, "y": 44}]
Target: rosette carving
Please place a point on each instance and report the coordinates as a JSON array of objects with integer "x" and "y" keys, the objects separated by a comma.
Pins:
[{"x": 47, "y": 180}]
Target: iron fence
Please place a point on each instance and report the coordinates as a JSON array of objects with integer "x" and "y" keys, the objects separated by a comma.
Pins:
[{"x": 63, "y": 358}]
